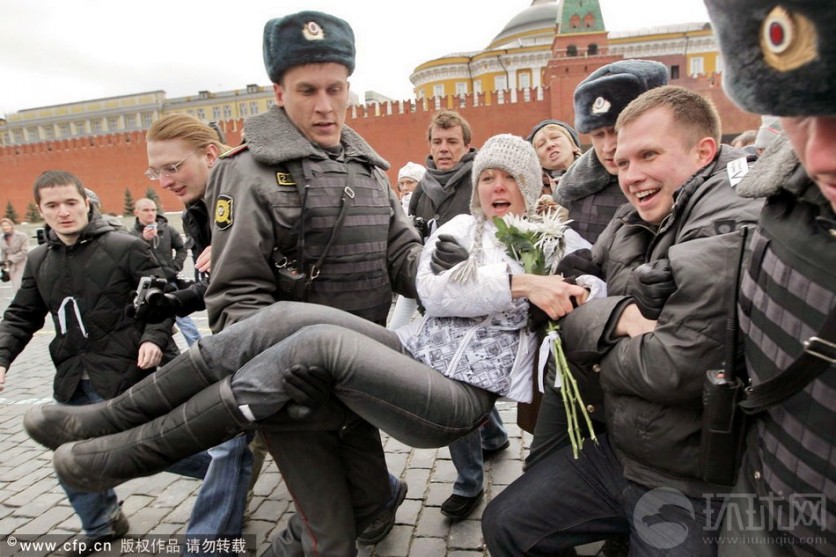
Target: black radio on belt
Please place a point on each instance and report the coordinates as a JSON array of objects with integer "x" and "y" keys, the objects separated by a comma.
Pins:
[{"x": 293, "y": 283}]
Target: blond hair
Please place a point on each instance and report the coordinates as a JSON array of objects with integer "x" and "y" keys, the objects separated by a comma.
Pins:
[{"x": 188, "y": 128}]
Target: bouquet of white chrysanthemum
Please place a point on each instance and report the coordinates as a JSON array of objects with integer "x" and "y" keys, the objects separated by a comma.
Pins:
[{"x": 538, "y": 244}]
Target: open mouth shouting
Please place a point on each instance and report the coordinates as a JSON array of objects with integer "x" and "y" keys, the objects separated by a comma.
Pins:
[{"x": 500, "y": 207}]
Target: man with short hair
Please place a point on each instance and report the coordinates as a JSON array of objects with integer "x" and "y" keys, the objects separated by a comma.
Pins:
[
  {"x": 83, "y": 276},
  {"x": 303, "y": 211},
  {"x": 784, "y": 495},
  {"x": 445, "y": 189},
  {"x": 651, "y": 353},
  {"x": 589, "y": 188}
]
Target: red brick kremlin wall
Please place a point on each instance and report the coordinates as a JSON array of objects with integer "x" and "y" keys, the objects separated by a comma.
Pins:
[{"x": 110, "y": 164}]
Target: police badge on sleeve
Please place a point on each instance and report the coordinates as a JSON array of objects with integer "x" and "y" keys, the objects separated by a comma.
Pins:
[{"x": 223, "y": 212}]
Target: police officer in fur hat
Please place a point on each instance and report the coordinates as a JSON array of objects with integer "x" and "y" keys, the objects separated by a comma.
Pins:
[
  {"x": 589, "y": 188},
  {"x": 781, "y": 60},
  {"x": 304, "y": 211}
]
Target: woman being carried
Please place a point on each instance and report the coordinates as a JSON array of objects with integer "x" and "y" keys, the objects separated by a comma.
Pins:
[{"x": 426, "y": 384}]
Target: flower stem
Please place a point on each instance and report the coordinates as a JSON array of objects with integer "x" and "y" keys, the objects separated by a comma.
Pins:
[{"x": 570, "y": 393}]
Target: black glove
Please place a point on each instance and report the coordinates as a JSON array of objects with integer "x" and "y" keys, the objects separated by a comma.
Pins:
[
  {"x": 650, "y": 286},
  {"x": 448, "y": 252},
  {"x": 308, "y": 388},
  {"x": 578, "y": 263},
  {"x": 158, "y": 308}
]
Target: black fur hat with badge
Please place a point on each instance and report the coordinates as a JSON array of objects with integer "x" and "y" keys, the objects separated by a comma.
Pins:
[
  {"x": 601, "y": 97},
  {"x": 307, "y": 37},
  {"x": 778, "y": 55}
]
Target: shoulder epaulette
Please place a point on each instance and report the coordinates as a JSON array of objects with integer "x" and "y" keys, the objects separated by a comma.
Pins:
[{"x": 234, "y": 151}]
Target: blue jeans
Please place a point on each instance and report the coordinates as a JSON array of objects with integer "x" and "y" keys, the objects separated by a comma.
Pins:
[
  {"x": 188, "y": 329},
  {"x": 98, "y": 510},
  {"x": 563, "y": 503},
  {"x": 466, "y": 454},
  {"x": 219, "y": 508}
]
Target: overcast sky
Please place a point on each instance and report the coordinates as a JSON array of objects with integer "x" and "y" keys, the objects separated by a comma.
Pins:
[{"x": 60, "y": 51}]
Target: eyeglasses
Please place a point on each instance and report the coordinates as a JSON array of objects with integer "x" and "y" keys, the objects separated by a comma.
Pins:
[{"x": 168, "y": 170}]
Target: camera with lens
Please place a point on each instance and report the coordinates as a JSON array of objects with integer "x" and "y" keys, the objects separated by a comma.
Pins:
[
  {"x": 422, "y": 226},
  {"x": 148, "y": 293}
]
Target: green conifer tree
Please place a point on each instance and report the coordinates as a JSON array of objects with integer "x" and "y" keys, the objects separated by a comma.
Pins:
[
  {"x": 11, "y": 214},
  {"x": 155, "y": 197},
  {"x": 128, "y": 210},
  {"x": 32, "y": 214}
]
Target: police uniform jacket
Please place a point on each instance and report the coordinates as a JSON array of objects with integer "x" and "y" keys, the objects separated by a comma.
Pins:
[
  {"x": 787, "y": 293},
  {"x": 86, "y": 287},
  {"x": 653, "y": 383},
  {"x": 257, "y": 192}
]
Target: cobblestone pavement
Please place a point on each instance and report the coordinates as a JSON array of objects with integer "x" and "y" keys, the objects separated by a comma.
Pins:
[{"x": 32, "y": 505}]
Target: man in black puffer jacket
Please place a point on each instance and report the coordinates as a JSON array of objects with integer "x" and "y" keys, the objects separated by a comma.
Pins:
[{"x": 84, "y": 276}]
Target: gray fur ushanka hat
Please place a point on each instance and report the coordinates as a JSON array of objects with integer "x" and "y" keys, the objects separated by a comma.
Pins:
[
  {"x": 306, "y": 38},
  {"x": 515, "y": 156},
  {"x": 601, "y": 97},
  {"x": 780, "y": 58}
]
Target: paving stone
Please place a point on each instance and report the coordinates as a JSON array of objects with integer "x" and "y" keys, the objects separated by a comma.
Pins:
[
  {"x": 427, "y": 547},
  {"x": 506, "y": 471},
  {"x": 409, "y": 512},
  {"x": 432, "y": 524},
  {"x": 416, "y": 480},
  {"x": 466, "y": 534},
  {"x": 444, "y": 472},
  {"x": 423, "y": 458},
  {"x": 39, "y": 503},
  {"x": 46, "y": 522},
  {"x": 396, "y": 543}
]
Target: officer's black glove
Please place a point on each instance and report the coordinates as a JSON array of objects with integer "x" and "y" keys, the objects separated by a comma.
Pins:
[
  {"x": 650, "y": 286},
  {"x": 578, "y": 263},
  {"x": 158, "y": 308},
  {"x": 308, "y": 388},
  {"x": 448, "y": 253}
]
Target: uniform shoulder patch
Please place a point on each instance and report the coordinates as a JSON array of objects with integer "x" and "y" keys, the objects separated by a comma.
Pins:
[
  {"x": 234, "y": 151},
  {"x": 285, "y": 179},
  {"x": 224, "y": 212}
]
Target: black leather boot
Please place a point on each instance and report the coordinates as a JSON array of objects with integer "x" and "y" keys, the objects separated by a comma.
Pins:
[
  {"x": 205, "y": 420},
  {"x": 52, "y": 425}
]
